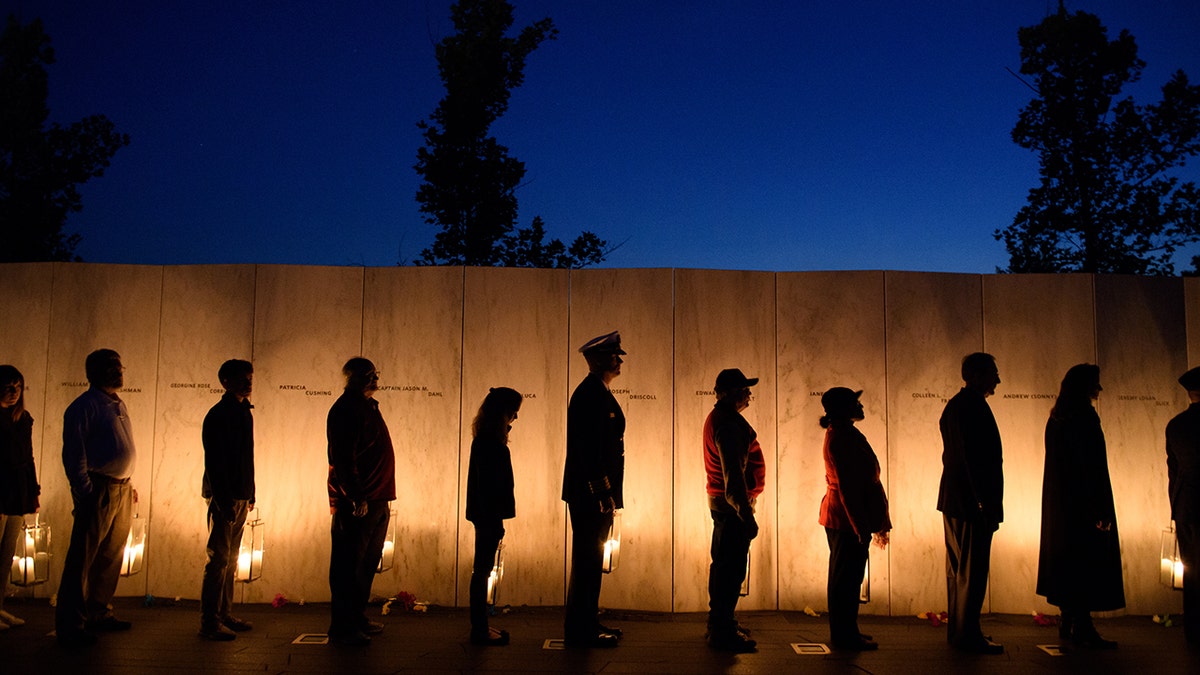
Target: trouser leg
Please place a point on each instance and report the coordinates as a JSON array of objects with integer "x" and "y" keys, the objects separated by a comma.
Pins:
[
  {"x": 1189, "y": 550},
  {"x": 589, "y": 528},
  {"x": 968, "y": 559},
  {"x": 222, "y": 548},
  {"x": 11, "y": 528},
  {"x": 487, "y": 538},
  {"x": 847, "y": 562},
  {"x": 729, "y": 551}
]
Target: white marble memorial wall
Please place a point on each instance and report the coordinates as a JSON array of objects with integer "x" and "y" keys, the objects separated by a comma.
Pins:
[
  {"x": 932, "y": 322},
  {"x": 307, "y": 324},
  {"x": 723, "y": 320},
  {"x": 207, "y": 319},
  {"x": 639, "y": 304},
  {"x": 412, "y": 331},
  {"x": 93, "y": 307},
  {"x": 515, "y": 335},
  {"x": 1142, "y": 347},
  {"x": 1037, "y": 326},
  {"x": 24, "y": 342},
  {"x": 1191, "y": 298},
  {"x": 830, "y": 334}
]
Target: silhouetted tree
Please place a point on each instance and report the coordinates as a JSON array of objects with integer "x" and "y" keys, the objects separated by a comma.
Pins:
[
  {"x": 1107, "y": 200},
  {"x": 470, "y": 180},
  {"x": 41, "y": 168}
]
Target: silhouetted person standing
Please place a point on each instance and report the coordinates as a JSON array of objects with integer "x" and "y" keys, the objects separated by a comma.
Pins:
[
  {"x": 1183, "y": 472},
  {"x": 98, "y": 456},
  {"x": 592, "y": 487},
  {"x": 971, "y": 500},
  {"x": 228, "y": 488},
  {"x": 19, "y": 487},
  {"x": 490, "y": 500},
  {"x": 735, "y": 473},
  {"x": 853, "y": 512},
  {"x": 1079, "y": 565},
  {"x": 362, "y": 480}
]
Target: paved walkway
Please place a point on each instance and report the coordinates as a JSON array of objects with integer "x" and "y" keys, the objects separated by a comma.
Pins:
[{"x": 164, "y": 640}]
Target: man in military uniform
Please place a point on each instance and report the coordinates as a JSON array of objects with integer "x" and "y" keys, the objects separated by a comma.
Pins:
[
  {"x": 592, "y": 480},
  {"x": 1183, "y": 474}
]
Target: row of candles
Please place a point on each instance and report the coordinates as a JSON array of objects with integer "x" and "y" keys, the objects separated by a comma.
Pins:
[{"x": 31, "y": 560}]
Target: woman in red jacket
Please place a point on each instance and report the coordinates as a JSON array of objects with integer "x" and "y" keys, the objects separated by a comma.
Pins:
[{"x": 854, "y": 510}]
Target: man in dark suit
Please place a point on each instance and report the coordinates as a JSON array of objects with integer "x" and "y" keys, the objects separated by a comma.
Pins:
[
  {"x": 592, "y": 479},
  {"x": 1183, "y": 473},
  {"x": 970, "y": 499}
]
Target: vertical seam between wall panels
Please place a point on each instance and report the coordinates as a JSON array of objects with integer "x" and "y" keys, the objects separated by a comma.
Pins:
[
  {"x": 362, "y": 312},
  {"x": 887, "y": 427},
  {"x": 154, "y": 449},
  {"x": 983, "y": 346},
  {"x": 46, "y": 377},
  {"x": 458, "y": 488},
  {"x": 775, "y": 367},
  {"x": 253, "y": 311},
  {"x": 674, "y": 422},
  {"x": 567, "y": 378}
]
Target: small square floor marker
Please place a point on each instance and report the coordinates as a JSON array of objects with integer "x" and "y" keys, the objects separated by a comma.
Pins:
[
  {"x": 311, "y": 639},
  {"x": 809, "y": 648},
  {"x": 554, "y": 643},
  {"x": 1052, "y": 650}
]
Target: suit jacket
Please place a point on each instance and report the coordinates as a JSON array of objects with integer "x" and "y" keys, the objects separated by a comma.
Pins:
[
  {"x": 595, "y": 466},
  {"x": 1183, "y": 465},
  {"x": 854, "y": 497},
  {"x": 972, "y": 486}
]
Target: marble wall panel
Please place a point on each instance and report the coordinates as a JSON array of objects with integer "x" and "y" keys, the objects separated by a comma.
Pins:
[
  {"x": 1037, "y": 326},
  {"x": 24, "y": 344},
  {"x": 515, "y": 335},
  {"x": 1191, "y": 297},
  {"x": 1142, "y": 349},
  {"x": 307, "y": 324},
  {"x": 207, "y": 318},
  {"x": 830, "y": 334},
  {"x": 639, "y": 304},
  {"x": 932, "y": 321},
  {"x": 93, "y": 307},
  {"x": 412, "y": 330},
  {"x": 722, "y": 320}
]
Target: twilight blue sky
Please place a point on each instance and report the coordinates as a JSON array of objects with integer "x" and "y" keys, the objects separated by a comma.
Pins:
[{"x": 773, "y": 135}]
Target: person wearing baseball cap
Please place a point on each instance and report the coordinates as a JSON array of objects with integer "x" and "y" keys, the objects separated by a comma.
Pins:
[
  {"x": 736, "y": 473},
  {"x": 1183, "y": 475}
]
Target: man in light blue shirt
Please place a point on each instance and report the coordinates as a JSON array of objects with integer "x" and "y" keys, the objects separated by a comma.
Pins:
[{"x": 99, "y": 457}]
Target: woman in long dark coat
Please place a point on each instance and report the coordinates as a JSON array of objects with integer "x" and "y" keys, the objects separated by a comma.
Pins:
[
  {"x": 490, "y": 500},
  {"x": 1079, "y": 568},
  {"x": 19, "y": 488},
  {"x": 854, "y": 510}
]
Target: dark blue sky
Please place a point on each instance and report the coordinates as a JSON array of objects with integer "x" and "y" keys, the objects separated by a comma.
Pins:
[{"x": 797, "y": 135}]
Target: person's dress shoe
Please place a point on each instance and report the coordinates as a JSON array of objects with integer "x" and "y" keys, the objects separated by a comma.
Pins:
[
  {"x": 599, "y": 640},
  {"x": 355, "y": 638},
  {"x": 856, "y": 645},
  {"x": 108, "y": 623},
  {"x": 216, "y": 634},
  {"x": 488, "y": 639},
  {"x": 611, "y": 631},
  {"x": 1092, "y": 640},
  {"x": 11, "y": 620},
  {"x": 981, "y": 645},
  {"x": 732, "y": 642},
  {"x": 235, "y": 624},
  {"x": 372, "y": 628}
]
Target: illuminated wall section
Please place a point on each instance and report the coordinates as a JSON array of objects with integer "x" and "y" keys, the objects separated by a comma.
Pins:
[
  {"x": 1037, "y": 326},
  {"x": 830, "y": 333},
  {"x": 932, "y": 321},
  {"x": 24, "y": 341},
  {"x": 307, "y": 323},
  {"x": 412, "y": 331},
  {"x": 1191, "y": 296},
  {"x": 722, "y": 320},
  {"x": 1142, "y": 348},
  {"x": 207, "y": 318},
  {"x": 93, "y": 307},
  {"x": 515, "y": 335},
  {"x": 639, "y": 304}
]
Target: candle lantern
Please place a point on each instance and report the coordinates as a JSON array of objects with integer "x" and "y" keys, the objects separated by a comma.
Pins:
[
  {"x": 1171, "y": 574},
  {"x": 31, "y": 557},
  {"x": 493, "y": 586},
  {"x": 745, "y": 589},
  {"x": 612, "y": 544},
  {"x": 388, "y": 556},
  {"x": 864, "y": 591},
  {"x": 250, "y": 552},
  {"x": 135, "y": 547}
]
